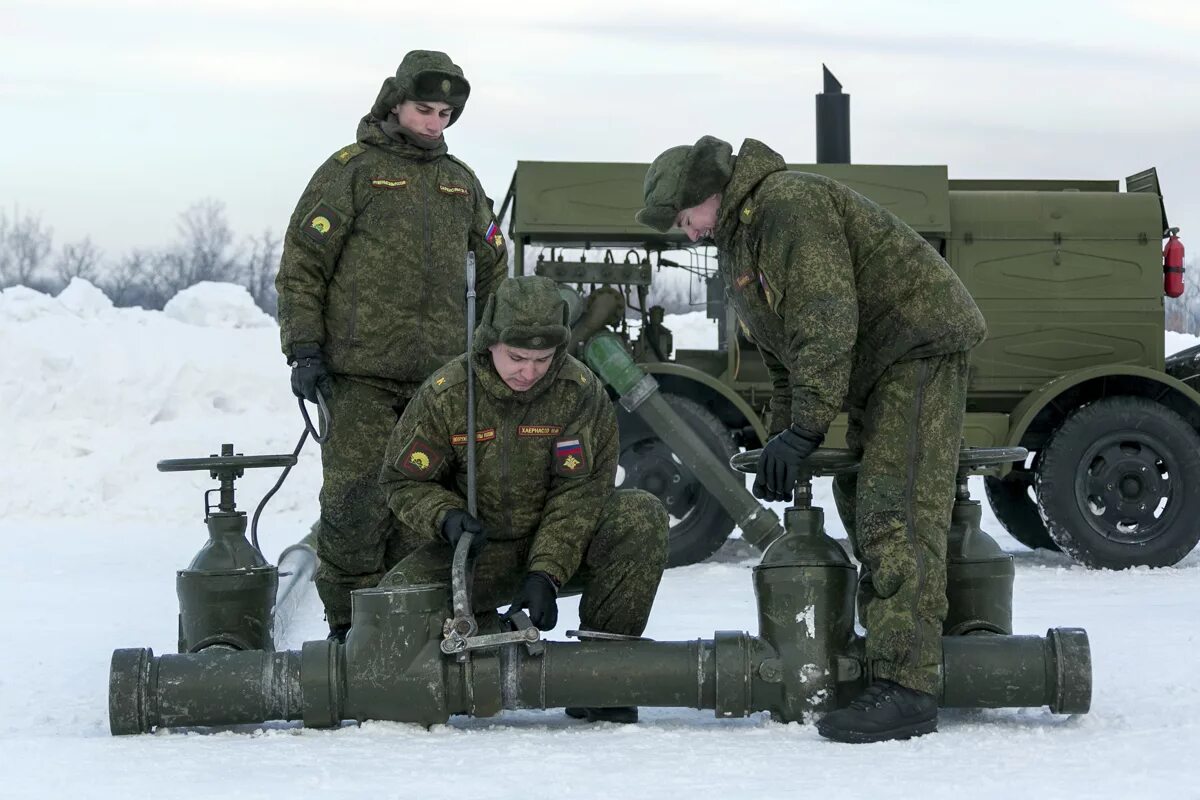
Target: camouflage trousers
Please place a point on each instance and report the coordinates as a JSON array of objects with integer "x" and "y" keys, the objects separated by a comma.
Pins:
[
  {"x": 621, "y": 568},
  {"x": 355, "y": 540},
  {"x": 896, "y": 510}
]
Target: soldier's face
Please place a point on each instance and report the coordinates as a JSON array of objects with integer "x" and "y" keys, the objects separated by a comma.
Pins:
[
  {"x": 424, "y": 118},
  {"x": 518, "y": 367},
  {"x": 699, "y": 221}
]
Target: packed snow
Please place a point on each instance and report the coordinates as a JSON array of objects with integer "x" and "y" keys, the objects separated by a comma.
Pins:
[{"x": 91, "y": 536}]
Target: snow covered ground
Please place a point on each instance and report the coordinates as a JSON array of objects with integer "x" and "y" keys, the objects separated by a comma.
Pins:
[{"x": 91, "y": 535}]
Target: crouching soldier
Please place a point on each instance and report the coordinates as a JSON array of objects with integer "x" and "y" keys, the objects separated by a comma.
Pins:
[{"x": 546, "y": 454}]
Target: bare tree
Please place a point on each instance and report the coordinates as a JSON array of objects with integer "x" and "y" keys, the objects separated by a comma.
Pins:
[
  {"x": 25, "y": 242},
  {"x": 124, "y": 282},
  {"x": 78, "y": 260},
  {"x": 259, "y": 268},
  {"x": 203, "y": 254},
  {"x": 207, "y": 239}
]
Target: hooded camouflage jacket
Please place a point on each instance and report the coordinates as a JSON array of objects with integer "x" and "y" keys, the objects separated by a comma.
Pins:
[
  {"x": 546, "y": 458},
  {"x": 832, "y": 287},
  {"x": 373, "y": 266}
]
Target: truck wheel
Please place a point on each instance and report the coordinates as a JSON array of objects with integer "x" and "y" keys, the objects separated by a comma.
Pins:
[
  {"x": 699, "y": 526},
  {"x": 1117, "y": 484},
  {"x": 1012, "y": 501}
]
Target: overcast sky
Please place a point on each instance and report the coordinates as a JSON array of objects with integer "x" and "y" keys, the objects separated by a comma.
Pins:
[{"x": 116, "y": 116}]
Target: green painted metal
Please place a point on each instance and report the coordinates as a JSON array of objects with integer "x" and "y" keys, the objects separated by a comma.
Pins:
[
  {"x": 805, "y": 590},
  {"x": 227, "y": 594},
  {"x": 714, "y": 384},
  {"x": 979, "y": 575},
  {"x": 395, "y": 671},
  {"x": 606, "y": 355}
]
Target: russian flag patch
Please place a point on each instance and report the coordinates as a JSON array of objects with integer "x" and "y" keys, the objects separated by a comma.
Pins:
[
  {"x": 493, "y": 236},
  {"x": 569, "y": 457}
]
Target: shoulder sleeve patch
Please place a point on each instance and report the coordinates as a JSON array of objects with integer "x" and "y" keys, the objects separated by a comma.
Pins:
[
  {"x": 747, "y": 213},
  {"x": 419, "y": 460},
  {"x": 348, "y": 152},
  {"x": 321, "y": 222},
  {"x": 493, "y": 236},
  {"x": 449, "y": 375},
  {"x": 571, "y": 457}
]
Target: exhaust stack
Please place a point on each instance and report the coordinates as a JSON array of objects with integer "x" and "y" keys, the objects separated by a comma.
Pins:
[{"x": 833, "y": 122}]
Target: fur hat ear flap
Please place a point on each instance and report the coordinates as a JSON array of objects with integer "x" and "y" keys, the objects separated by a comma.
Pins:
[
  {"x": 706, "y": 171},
  {"x": 388, "y": 98}
]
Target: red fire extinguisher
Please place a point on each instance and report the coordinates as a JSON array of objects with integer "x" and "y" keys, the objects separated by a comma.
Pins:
[{"x": 1173, "y": 264}]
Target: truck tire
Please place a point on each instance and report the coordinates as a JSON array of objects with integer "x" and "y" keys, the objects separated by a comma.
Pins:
[
  {"x": 1117, "y": 484},
  {"x": 1014, "y": 505},
  {"x": 699, "y": 526}
]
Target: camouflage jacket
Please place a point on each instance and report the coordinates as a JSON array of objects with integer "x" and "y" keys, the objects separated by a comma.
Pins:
[
  {"x": 832, "y": 287},
  {"x": 373, "y": 266},
  {"x": 546, "y": 458}
]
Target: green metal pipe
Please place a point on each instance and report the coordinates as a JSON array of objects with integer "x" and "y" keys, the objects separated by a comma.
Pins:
[
  {"x": 1003, "y": 671},
  {"x": 734, "y": 673},
  {"x": 215, "y": 687},
  {"x": 606, "y": 355},
  {"x": 672, "y": 674}
]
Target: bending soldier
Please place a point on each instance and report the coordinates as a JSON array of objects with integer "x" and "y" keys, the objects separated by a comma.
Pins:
[
  {"x": 371, "y": 299},
  {"x": 847, "y": 305},
  {"x": 547, "y": 451}
]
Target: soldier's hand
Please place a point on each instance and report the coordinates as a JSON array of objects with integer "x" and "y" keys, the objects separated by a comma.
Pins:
[
  {"x": 779, "y": 463},
  {"x": 309, "y": 373},
  {"x": 539, "y": 594},
  {"x": 458, "y": 522}
]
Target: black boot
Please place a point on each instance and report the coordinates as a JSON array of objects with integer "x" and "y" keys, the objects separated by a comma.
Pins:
[
  {"x": 620, "y": 714},
  {"x": 337, "y": 633},
  {"x": 885, "y": 710}
]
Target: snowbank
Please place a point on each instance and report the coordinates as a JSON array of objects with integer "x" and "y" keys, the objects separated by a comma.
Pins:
[{"x": 99, "y": 394}]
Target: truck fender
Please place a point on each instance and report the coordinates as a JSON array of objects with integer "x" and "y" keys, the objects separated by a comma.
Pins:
[{"x": 1156, "y": 385}]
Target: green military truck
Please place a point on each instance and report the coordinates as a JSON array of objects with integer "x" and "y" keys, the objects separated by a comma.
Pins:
[{"x": 1069, "y": 274}]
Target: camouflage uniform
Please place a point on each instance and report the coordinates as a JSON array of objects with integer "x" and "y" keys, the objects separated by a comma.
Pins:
[
  {"x": 850, "y": 305},
  {"x": 373, "y": 273},
  {"x": 546, "y": 463}
]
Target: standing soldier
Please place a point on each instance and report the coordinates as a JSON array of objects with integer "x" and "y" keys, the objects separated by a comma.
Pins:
[
  {"x": 847, "y": 304},
  {"x": 547, "y": 450},
  {"x": 371, "y": 299}
]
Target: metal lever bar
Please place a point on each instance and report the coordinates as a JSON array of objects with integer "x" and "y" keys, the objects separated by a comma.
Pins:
[{"x": 459, "y": 644}]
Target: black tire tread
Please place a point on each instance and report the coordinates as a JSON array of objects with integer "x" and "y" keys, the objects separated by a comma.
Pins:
[{"x": 1083, "y": 544}]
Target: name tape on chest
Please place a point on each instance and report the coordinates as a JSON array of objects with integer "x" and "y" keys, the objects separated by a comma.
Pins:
[
  {"x": 485, "y": 435},
  {"x": 389, "y": 183},
  {"x": 460, "y": 191},
  {"x": 538, "y": 431}
]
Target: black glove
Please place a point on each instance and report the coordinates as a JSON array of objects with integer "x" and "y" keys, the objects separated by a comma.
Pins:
[
  {"x": 539, "y": 594},
  {"x": 458, "y": 522},
  {"x": 779, "y": 463},
  {"x": 309, "y": 373}
]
